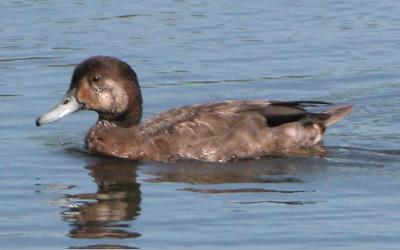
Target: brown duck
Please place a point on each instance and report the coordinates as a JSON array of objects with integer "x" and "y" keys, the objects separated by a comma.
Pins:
[{"x": 215, "y": 132}]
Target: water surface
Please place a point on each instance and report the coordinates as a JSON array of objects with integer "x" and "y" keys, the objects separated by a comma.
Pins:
[{"x": 53, "y": 195}]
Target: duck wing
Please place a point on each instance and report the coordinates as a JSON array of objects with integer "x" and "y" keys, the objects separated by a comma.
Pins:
[
  {"x": 276, "y": 113},
  {"x": 281, "y": 112},
  {"x": 224, "y": 130}
]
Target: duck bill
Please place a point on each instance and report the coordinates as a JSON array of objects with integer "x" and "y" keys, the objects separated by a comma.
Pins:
[{"x": 68, "y": 105}]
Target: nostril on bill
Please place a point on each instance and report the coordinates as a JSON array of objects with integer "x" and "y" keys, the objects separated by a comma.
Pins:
[{"x": 66, "y": 100}]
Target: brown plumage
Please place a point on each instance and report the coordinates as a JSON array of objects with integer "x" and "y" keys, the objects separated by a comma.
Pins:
[{"x": 218, "y": 132}]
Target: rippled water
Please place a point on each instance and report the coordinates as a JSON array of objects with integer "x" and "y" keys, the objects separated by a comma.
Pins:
[{"x": 53, "y": 195}]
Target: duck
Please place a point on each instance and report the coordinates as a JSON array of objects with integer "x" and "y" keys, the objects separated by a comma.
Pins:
[{"x": 223, "y": 131}]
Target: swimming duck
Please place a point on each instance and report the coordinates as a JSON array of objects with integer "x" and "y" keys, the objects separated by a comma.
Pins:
[{"x": 213, "y": 132}]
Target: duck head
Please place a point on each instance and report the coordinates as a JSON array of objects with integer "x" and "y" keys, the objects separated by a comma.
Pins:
[{"x": 103, "y": 84}]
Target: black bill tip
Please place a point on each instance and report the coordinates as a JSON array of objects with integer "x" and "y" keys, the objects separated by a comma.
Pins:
[{"x": 37, "y": 122}]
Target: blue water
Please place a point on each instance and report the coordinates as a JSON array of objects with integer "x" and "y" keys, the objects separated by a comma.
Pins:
[{"x": 53, "y": 195}]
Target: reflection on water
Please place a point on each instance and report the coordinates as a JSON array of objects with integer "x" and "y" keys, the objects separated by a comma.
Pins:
[
  {"x": 267, "y": 170},
  {"x": 111, "y": 211},
  {"x": 105, "y": 213},
  {"x": 238, "y": 190},
  {"x": 102, "y": 214}
]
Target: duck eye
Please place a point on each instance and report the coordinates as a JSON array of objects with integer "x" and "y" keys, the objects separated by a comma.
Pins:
[{"x": 96, "y": 78}]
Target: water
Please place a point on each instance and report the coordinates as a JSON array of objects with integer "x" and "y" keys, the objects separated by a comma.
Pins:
[{"x": 54, "y": 196}]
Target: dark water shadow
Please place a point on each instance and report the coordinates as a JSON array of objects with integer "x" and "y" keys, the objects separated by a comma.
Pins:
[{"x": 274, "y": 169}]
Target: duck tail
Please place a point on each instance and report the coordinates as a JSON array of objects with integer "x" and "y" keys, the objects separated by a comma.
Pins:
[{"x": 333, "y": 115}]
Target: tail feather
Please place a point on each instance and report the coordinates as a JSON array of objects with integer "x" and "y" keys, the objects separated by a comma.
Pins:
[{"x": 336, "y": 114}]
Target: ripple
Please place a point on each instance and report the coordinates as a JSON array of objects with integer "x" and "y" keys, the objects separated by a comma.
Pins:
[
  {"x": 29, "y": 58},
  {"x": 10, "y": 47},
  {"x": 244, "y": 80},
  {"x": 9, "y": 95},
  {"x": 103, "y": 233},
  {"x": 66, "y": 48},
  {"x": 12, "y": 235},
  {"x": 391, "y": 152},
  {"x": 240, "y": 190},
  {"x": 100, "y": 18},
  {"x": 66, "y": 65},
  {"x": 53, "y": 187},
  {"x": 278, "y": 202},
  {"x": 105, "y": 246},
  {"x": 130, "y": 16}
]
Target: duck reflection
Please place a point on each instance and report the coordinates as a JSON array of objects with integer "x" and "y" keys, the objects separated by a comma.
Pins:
[
  {"x": 267, "y": 170},
  {"x": 101, "y": 214},
  {"x": 290, "y": 172}
]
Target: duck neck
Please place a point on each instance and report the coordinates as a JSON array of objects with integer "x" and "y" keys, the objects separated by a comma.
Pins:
[
  {"x": 125, "y": 121},
  {"x": 130, "y": 118}
]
